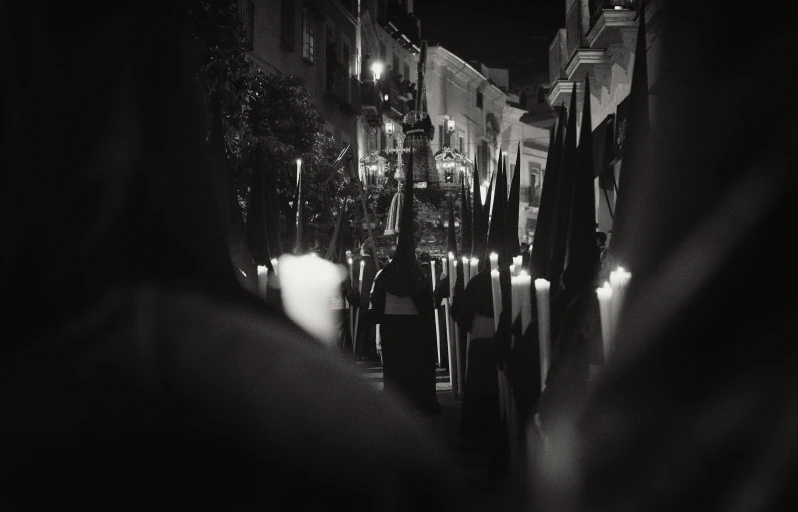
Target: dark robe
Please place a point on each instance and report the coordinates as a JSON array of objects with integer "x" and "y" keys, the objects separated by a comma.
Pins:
[
  {"x": 409, "y": 354},
  {"x": 480, "y": 417}
]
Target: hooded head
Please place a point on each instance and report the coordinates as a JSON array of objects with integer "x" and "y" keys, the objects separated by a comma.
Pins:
[
  {"x": 496, "y": 233},
  {"x": 479, "y": 228},
  {"x": 513, "y": 207}
]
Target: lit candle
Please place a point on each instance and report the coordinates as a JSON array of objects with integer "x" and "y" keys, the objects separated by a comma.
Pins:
[
  {"x": 274, "y": 265},
  {"x": 351, "y": 272},
  {"x": 362, "y": 266},
  {"x": 542, "y": 288},
  {"x": 496, "y": 289},
  {"x": 437, "y": 322},
  {"x": 525, "y": 291},
  {"x": 308, "y": 287},
  {"x": 466, "y": 271},
  {"x": 263, "y": 278},
  {"x": 518, "y": 261},
  {"x": 452, "y": 279},
  {"x": 494, "y": 261},
  {"x": 512, "y": 270},
  {"x": 474, "y": 266},
  {"x": 515, "y": 293},
  {"x": 298, "y": 168},
  {"x": 605, "y": 302}
]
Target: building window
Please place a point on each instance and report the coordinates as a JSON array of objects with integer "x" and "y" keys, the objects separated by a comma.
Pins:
[
  {"x": 461, "y": 145},
  {"x": 479, "y": 99},
  {"x": 287, "y": 24},
  {"x": 308, "y": 36}
]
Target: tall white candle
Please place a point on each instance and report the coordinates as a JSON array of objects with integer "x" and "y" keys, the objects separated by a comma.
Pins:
[
  {"x": 494, "y": 261},
  {"x": 437, "y": 323},
  {"x": 518, "y": 261},
  {"x": 263, "y": 278},
  {"x": 496, "y": 289},
  {"x": 512, "y": 270},
  {"x": 274, "y": 265},
  {"x": 351, "y": 272},
  {"x": 525, "y": 291},
  {"x": 362, "y": 266},
  {"x": 604, "y": 295},
  {"x": 474, "y": 266},
  {"x": 466, "y": 271},
  {"x": 453, "y": 278},
  {"x": 542, "y": 288},
  {"x": 298, "y": 169}
]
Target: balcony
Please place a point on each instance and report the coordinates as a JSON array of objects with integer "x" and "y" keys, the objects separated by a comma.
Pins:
[
  {"x": 607, "y": 21},
  {"x": 350, "y": 103},
  {"x": 369, "y": 95}
]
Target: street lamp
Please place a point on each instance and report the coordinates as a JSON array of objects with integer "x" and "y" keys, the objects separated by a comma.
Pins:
[
  {"x": 376, "y": 68},
  {"x": 450, "y": 125},
  {"x": 389, "y": 127}
]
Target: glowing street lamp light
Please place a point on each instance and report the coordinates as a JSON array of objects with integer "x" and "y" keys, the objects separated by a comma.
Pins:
[
  {"x": 389, "y": 127},
  {"x": 450, "y": 125}
]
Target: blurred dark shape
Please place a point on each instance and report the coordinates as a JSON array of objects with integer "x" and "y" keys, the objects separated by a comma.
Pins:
[
  {"x": 135, "y": 370},
  {"x": 696, "y": 408}
]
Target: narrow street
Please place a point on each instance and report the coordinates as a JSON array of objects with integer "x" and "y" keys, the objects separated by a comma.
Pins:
[{"x": 472, "y": 463}]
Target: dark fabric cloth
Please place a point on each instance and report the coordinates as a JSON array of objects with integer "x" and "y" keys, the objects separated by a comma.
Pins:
[
  {"x": 403, "y": 280},
  {"x": 480, "y": 415},
  {"x": 409, "y": 360},
  {"x": 135, "y": 372},
  {"x": 476, "y": 298},
  {"x": 167, "y": 397},
  {"x": 578, "y": 346}
]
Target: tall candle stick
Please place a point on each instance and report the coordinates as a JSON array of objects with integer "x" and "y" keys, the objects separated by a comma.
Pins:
[
  {"x": 298, "y": 168},
  {"x": 453, "y": 279},
  {"x": 542, "y": 288},
  {"x": 275, "y": 265},
  {"x": 351, "y": 272},
  {"x": 512, "y": 270},
  {"x": 474, "y": 266},
  {"x": 360, "y": 285},
  {"x": 263, "y": 278},
  {"x": 437, "y": 321},
  {"x": 518, "y": 261},
  {"x": 466, "y": 271},
  {"x": 494, "y": 261},
  {"x": 496, "y": 289},
  {"x": 605, "y": 300},
  {"x": 525, "y": 290}
]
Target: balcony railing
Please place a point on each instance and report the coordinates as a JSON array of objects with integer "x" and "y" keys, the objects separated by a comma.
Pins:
[{"x": 597, "y": 5}]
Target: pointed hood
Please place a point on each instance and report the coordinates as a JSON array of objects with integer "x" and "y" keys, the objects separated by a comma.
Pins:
[
  {"x": 637, "y": 151},
  {"x": 581, "y": 256},
  {"x": 486, "y": 205},
  {"x": 465, "y": 221},
  {"x": 479, "y": 228},
  {"x": 451, "y": 235},
  {"x": 513, "y": 209},
  {"x": 496, "y": 232},
  {"x": 562, "y": 208},
  {"x": 406, "y": 245},
  {"x": 542, "y": 243}
]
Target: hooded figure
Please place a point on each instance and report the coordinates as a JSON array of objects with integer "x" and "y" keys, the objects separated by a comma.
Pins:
[
  {"x": 479, "y": 227},
  {"x": 511, "y": 244},
  {"x": 136, "y": 372},
  {"x": 697, "y": 402},
  {"x": 403, "y": 307}
]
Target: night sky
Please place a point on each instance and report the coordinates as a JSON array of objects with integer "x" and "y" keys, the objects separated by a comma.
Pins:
[{"x": 510, "y": 33}]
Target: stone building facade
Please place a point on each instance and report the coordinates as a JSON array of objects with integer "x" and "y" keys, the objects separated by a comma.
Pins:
[{"x": 600, "y": 40}]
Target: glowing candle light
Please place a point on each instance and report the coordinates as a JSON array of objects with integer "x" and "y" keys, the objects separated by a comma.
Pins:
[
  {"x": 542, "y": 288},
  {"x": 496, "y": 290},
  {"x": 474, "y": 266},
  {"x": 466, "y": 271},
  {"x": 494, "y": 261},
  {"x": 351, "y": 271},
  {"x": 263, "y": 278},
  {"x": 605, "y": 303},
  {"x": 275, "y": 265},
  {"x": 362, "y": 266},
  {"x": 518, "y": 261}
]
